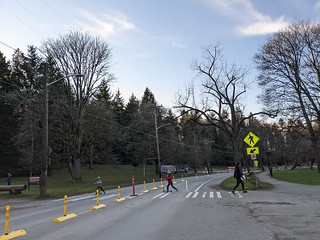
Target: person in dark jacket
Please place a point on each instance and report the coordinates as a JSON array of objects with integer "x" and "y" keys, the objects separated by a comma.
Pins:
[
  {"x": 169, "y": 179},
  {"x": 238, "y": 176},
  {"x": 9, "y": 178}
]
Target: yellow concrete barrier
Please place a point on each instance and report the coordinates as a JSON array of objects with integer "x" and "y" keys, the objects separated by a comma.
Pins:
[
  {"x": 98, "y": 205},
  {"x": 13, "y": 234},
  {"x": 153, "y": 185},
  {"x": 145, "y": 190},
  {"x": 119, "y": 199},
  {"x": 65, "y": 215}
]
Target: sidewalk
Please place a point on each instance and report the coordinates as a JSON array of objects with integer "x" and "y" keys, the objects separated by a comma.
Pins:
[{"x": 289, "y": 210}]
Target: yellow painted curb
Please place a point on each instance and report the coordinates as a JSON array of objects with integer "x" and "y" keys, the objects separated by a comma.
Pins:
[
  {"x": 145, "y": 191},
  {"x": 64, "y": 218},
  {"x": 13, "y": 234},
  {"x": 96, "y": 207},
  {"x": 119, "y": 199},
  {"x": 154, "y": 188}
]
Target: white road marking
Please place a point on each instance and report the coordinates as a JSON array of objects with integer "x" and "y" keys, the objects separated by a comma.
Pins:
[
  {"x": 211, "y": 194},
  {"x": 165, "y": 195},
  {"x": 204, "y": 194},
  {"x": 106, "y": 197},
  {"x": 188, "y": 195},
  {"x": 219, "y": 195},
  {"x": 158, "y": 195},
  {"x": 195, "y": 195}
]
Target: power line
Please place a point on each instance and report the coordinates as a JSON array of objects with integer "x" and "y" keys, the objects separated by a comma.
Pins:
[
  {"x": 54, "y": 11},
  {"x": 38, "y": 19},
  {"x": 129, "y": 128},
  {"x": 8, "y": 46},
  {"x": 20, "y": 20}
]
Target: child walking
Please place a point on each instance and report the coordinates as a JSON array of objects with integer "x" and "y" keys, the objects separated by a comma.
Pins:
[
  {"x": 170, "y": 183},
  {"x": 99, "y": 185}
]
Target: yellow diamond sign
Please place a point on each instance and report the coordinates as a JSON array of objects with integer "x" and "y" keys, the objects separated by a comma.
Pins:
[{"x": 251, "y": 139}]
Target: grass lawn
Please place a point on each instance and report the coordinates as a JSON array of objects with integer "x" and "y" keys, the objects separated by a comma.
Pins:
[
  {"x": 299, "y": 175},
  {"x": 60, "y": 183},
  {"x": 249, "y": 184}
]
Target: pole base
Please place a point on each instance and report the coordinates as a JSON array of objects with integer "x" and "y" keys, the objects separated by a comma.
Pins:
[
  {"x": 119, "y": 199},
  {"x": 64, "y": 218},
  {"x": 96, "y": 207},
  {"x": 13, "y": 234}
]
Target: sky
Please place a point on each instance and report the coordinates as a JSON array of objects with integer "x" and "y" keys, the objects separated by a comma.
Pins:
[{"x": 153, "y": 42}]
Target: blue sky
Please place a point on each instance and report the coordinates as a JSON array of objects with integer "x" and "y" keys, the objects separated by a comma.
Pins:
[{"x": 154, "y": 42}]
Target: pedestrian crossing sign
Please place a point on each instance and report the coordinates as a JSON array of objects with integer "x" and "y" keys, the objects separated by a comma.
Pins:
[
  {"x": 251, "y": 139},
  {"x": 253, "y": 151}
]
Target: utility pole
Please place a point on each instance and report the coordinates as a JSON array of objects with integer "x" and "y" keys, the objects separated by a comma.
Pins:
[
  {"x": 157, "y": 140},
  {"x": 45, "y": 144},
  {"x": 45, "y": 130}
]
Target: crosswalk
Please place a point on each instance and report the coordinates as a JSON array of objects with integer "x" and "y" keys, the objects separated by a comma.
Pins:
[
  {"x": 194, "y": 195},
  {"x": 187, "y": 195}
]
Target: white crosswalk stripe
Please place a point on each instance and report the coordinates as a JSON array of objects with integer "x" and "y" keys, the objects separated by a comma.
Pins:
[
  {"x": 204, "y": 195},
  {"x": 193, "y": 195},
  {"x": 189, "y": 194}
]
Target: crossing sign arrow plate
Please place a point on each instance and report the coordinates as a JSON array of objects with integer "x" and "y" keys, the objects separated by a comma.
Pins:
[
  {"x": 251, "y": 139},
  {"x": 253, "y": 151}
]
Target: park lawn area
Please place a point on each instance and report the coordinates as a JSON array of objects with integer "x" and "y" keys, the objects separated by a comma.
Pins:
[
  {"x": 299, "y": 175},
  {"x": 60, "y": 183},
  {"x": 249, "y": 184}
]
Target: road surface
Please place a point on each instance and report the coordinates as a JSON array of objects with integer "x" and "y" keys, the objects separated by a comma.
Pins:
[{"x": 200, "y": 210}]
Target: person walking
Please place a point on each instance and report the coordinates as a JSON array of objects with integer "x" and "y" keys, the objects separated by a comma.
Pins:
[
  {"x": 238, "y": 176},
  {"x": 9, "y": 178},
  {"x": 270, "y": 170},
  {"x": 169, "y": 180},
  {"x": 99, "y": 185}
]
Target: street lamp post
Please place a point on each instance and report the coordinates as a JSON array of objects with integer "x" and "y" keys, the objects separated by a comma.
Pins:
[{"x": 45, "y": 130}]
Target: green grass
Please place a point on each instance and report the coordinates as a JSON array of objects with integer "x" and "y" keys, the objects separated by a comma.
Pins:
[
  {"x": 60, "y": 183},
  {"x": 301, "y": 175},
  {"x": 249, "y": 184}
]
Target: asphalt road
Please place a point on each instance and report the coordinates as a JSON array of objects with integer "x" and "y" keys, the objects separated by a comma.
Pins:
[{"x": 200, "y": 210}]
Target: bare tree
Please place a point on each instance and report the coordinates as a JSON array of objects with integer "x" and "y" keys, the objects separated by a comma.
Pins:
[
  {"x": 221, "y": 104},
  {"x": 290, "y": 76},
  {"x": 80, "y": 53}
]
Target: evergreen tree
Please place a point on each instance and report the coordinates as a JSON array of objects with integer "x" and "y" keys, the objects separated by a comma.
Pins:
[
  {"x": 9, "y": 154},
  {"x": 118, "y": 107}
]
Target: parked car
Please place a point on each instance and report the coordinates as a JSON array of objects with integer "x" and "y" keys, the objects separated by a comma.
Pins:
[{"x": 182, "y": 169}]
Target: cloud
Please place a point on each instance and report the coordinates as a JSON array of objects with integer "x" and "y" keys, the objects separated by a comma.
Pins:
[
  {"x": 263, "y": 26},
  {"x": 109, "y": 25},
  {"x": 178, "y": 45},
  {"x": 252, "y": 22},
  {"x": 317, "y": 6}
]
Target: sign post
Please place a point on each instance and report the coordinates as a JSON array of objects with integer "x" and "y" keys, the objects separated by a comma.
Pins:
[{"x": 251, "y": 139}]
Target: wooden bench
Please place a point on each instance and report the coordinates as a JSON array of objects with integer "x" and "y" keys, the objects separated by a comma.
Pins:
[{"x": 13, "y": 189}]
